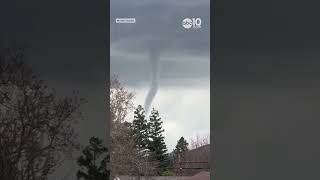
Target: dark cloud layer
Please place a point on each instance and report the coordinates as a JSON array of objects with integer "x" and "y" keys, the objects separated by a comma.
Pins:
[
  {"x": 82, "y": 70},
  {"x": 59, "y": 23},
  {"x": 159, "y": 25},
  {"x": 67, "y": 44},
  {"x": 181, "y": 73},
  {"x": 65, "y": 65},
  {"x": 266, "y": 90},
  {"x": 265, "y": 26}
]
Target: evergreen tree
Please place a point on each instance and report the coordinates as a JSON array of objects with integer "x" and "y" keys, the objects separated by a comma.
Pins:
[
  {"x": 93, "y": 162},
  {"x": 181, "y": 149},
  {"x": 156, "y": 145},
  {"x": 139, "y": 128}
]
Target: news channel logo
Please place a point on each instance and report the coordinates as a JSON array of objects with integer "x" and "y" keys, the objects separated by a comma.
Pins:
[{"x": 194, "y": 23}]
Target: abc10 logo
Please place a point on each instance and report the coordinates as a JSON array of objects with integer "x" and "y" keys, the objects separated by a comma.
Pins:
[{"x": 194, "y": 23}]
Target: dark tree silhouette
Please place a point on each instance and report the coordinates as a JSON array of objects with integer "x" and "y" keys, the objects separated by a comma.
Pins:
[
  {"x": 181, "y": 149},
  {"x": 93, "y": 162},
  {"x": 156, "y": 144},
  {"x": 36, "y": 132},
  {"x": 140, "y": 128},
  {"x": 179, "y": 154},
  {"x": 7, "y": 170}
]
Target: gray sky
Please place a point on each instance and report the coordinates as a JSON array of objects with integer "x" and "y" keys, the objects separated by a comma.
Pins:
[
  {"x": 76, "y": 69},
  {"x": 66, "y": 43},
  {"x": 267, "y": 90},
  {"x": 183, "y": 97}
]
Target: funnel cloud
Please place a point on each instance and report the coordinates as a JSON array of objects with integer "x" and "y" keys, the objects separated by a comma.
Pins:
[{"x": 154, "y": 61}]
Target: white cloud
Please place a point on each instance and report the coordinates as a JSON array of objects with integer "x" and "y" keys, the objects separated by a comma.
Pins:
[{"x": 184, "y": 111}]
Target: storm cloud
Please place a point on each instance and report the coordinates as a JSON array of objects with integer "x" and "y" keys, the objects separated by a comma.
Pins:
[
  {"x": 181, "y": 91},
  {"x": 180, "y": 49}
]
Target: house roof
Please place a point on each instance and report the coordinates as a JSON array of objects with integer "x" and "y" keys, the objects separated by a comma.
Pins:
[{"x": 205, "y": 148}]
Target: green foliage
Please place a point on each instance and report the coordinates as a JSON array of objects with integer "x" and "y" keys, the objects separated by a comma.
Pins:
[
  {"x": 149, "y": 138},
  {"x": 156, "y": 143},
  {"x": 93, "y": 162},
  {"x": 167, "y": 173},
  {"x": 139, "y": 128},
  {"x": 181, "y": 148}
]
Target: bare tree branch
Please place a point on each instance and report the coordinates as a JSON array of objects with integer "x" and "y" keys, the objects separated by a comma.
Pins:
[{"x": 35, "y": 124}]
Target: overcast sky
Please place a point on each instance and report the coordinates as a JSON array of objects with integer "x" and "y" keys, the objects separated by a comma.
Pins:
[
  {"x": 82, "y": 70},
  {"x": 183, "y": 97}
]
